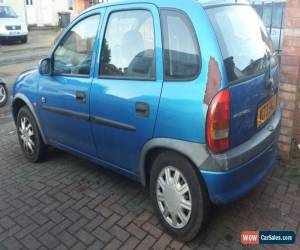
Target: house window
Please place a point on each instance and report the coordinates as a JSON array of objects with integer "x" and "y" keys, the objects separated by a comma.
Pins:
[
  {"x": 70, "y": 4},
  {"x": 29, "y": 2},
  {"x": 92, "y": 2}
]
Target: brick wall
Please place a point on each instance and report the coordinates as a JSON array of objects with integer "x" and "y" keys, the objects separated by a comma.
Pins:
[
  {"x": 81, "y": 5},
  {"x": 297, "y": 121},
  {"x": 290, "y": 73}
]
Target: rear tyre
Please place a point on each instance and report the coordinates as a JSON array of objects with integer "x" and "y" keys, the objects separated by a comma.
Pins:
[
  {"x": 178, "y": 195},
  {"x": 29, "y": 136},
  {"x": 24, "y": 39},
  {"x": 3, "y": 95}
]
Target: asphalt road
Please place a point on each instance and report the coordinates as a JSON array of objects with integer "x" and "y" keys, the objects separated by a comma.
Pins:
[{"x": 16, "y": 58}]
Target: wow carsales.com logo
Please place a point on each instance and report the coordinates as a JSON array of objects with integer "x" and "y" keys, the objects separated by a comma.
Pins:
[{"x": 267, "y": 237}]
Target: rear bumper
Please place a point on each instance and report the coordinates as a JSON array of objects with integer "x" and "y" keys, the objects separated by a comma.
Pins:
[
  {"x": 225, "y": 187},
  {"x": 244, "y": 166}
]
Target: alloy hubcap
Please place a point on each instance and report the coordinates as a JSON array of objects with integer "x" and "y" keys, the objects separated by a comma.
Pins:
[
  {"x": 2, "y": 94},
  {"x": 27, "y": 135},
  {"x": 174, "y": 197}
]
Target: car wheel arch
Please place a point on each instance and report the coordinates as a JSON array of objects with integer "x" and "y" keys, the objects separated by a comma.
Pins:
[
  {"x": 17, "y": 104},
  {"x": 155, "y": 146},
  {"x": 20, "y": 101}
]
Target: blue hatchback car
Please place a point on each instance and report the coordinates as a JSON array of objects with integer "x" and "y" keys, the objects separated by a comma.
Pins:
[{"x": 178, "y": 95}]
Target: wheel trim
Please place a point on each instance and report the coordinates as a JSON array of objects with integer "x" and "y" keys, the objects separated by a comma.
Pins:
[
  {"x": 2, "y": 94},
  {"x": 174, "y": 197},
  {"x": 26, "y": 134}
]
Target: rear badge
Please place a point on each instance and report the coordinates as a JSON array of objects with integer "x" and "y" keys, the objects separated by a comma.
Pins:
[{"x": 242, "y": 113}]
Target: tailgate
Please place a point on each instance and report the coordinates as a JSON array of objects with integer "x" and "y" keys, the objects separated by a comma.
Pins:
[
  {"x": 246, "y": 99},
  {"x": 251, "y": 68}
]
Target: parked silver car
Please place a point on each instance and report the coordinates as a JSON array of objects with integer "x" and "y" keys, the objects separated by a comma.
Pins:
[{"x": 11, "y": 27}]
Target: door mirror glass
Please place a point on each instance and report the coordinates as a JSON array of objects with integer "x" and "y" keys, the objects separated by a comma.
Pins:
[{"x": 45, "y": 66}]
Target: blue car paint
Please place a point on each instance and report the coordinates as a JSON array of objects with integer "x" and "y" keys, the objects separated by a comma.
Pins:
[
  {"x": 244, "y": 126},
  {"x": 182, "y": 103},
  {"x": 184, "y": 100},
  {"x": 117, "y": 99},
  {"x": 225, "y": 187},
  {"x": 60, "y": 92},
  {"x": 27, "y": 84}
]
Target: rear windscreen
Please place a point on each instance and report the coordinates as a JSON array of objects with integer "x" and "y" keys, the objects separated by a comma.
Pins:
[{"x": 243, "y": 40}]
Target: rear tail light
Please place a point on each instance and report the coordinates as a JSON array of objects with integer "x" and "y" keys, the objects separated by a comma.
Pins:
[{"x": 218, "y": 122}]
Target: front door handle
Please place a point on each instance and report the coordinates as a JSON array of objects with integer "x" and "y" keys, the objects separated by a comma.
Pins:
[
  {"x": 142, "y": 109},
  {"x": 80, "y": 96}
]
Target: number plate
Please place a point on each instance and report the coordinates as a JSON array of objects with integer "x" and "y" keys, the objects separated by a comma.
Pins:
[
  {"x": 14, "y": 33},
  {"x": 266, "y": 110}
]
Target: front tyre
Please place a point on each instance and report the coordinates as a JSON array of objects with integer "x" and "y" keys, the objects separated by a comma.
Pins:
[
  {"x": 178, "y": 195},
  {"x": 3, "y": 95},
  {"x": 29, "y": 136}
]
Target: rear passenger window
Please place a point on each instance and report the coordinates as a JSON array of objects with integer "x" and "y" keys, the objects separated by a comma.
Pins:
[
  {"x": 181, "y": 48},
  {"x": 128, "y": 46}
]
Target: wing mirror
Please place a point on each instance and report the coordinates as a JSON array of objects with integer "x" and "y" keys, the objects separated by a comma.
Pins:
[{"x": 45, "y": 66}]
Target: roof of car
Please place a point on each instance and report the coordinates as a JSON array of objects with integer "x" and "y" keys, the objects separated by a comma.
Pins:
[
  {"x": 204, "y": 3},
  {"x": 122, "y": 2},
  {"x": 261, "y": 2},
  {"x": 207, "y": 3}
]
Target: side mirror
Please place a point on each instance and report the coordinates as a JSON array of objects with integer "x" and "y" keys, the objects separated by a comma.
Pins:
[{"x": 45, "y": 67}]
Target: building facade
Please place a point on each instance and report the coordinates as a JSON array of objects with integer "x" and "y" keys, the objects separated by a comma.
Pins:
[{"x": 39, "y": 12}]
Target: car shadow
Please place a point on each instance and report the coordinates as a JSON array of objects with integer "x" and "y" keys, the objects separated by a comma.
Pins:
[{"x": 10, "y": 43}]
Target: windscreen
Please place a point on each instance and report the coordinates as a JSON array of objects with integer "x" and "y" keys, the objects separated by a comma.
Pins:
[
  {"x": 245, "y": 45},
  {"x": 7, "y": 12}
]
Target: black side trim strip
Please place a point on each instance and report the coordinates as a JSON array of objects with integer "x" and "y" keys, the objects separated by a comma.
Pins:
[
  {"x": 66, "y": 112},
  {"x": 110, "y": 123},
  {"x": 95, "y": 119}
]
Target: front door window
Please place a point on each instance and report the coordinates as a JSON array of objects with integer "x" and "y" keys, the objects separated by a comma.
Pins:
[{"x": 74, "y": 54}]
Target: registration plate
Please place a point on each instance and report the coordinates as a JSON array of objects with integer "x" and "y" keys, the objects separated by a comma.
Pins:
[
  {"x": 14, "y": 33},
  {"x": 266, "y": 110}
]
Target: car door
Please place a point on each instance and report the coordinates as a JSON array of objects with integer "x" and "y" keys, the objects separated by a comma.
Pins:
[
  {"x": 64, "y": 96},
  {"x": 127, "y": 85}
]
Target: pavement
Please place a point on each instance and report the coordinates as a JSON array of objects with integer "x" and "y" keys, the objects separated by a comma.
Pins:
[
  {"x": 69, "y": 203},
  {"x": 16, "y": 58}
]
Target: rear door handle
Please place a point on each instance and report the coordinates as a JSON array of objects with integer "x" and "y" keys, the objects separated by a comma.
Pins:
[
  {"x": 142, "y": 109},
  {"x": 80, "y": 96}
]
